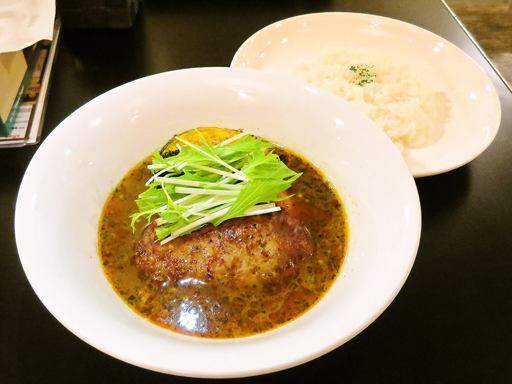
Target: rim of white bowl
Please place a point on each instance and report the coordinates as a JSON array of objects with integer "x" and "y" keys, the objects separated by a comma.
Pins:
[
  {"x": 412, "y": 248},
  {"x": 495, "y": 96}
]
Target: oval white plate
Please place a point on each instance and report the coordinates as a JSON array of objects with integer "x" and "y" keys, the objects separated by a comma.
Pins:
[
  {"x": 76, "y": 167},
  {"x": 474, "y": 109}
]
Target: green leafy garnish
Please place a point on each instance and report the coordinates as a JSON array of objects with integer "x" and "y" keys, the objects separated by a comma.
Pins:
[
  {"x": 205, "y": 183},
  {"x": 363, "y": 74}
]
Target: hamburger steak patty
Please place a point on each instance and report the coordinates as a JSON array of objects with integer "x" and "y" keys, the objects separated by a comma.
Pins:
[{"x": 253, "y": 250}]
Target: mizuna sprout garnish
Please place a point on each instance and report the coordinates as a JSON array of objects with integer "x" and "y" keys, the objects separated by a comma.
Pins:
[{"x": 205, "y": 183}]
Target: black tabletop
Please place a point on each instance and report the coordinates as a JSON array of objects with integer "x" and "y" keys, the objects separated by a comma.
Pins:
[{"x": 452, "y": 321}]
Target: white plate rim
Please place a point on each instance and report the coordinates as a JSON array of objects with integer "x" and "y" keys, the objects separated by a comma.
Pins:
[
  {"x": 494, "y": 94},
  {"x": 22, "y": 200}
]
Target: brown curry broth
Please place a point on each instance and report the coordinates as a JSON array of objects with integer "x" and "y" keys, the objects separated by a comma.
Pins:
[{"x": 223, "y": 311}]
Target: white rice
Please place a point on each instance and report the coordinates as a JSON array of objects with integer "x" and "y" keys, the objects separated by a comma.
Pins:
[{"x": 408, "y": 109}]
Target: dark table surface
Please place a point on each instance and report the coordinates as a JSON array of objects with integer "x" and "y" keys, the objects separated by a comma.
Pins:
[{"x": 452, "y": 321}]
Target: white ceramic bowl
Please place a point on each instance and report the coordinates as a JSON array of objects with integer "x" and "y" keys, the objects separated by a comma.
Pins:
[
  {"x": 473, "y": 107},
  {"x": 77, "y": 166}
]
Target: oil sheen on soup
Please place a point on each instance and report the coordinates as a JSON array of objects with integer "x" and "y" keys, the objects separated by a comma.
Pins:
[{"x": 246, "y": 276}]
